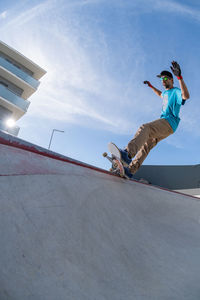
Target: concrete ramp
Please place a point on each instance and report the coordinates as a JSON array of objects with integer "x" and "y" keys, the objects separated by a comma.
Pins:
[{"x": 71, "y": 231}]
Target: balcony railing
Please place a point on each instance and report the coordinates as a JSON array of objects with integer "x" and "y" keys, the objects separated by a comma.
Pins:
[
  {"x": 19, "y": 73},
  {"x": 14, "y": 99}
]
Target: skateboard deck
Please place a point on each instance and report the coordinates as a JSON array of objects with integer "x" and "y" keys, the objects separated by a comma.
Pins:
[{"x": 115, "y": 158}]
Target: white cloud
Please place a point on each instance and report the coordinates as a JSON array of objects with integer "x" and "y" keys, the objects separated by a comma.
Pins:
[
  {"x": 27, "y": 15},
  {"x": 79, "y": 86},
  {"x": 3, "y": 15},
  {"x": 176, "y": 8}
]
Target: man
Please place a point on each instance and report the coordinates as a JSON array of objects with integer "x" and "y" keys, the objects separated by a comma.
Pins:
[{"x": 148, "y": 135}]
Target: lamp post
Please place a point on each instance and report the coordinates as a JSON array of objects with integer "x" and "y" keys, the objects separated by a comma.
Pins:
[{"x": 52, "y": 136}]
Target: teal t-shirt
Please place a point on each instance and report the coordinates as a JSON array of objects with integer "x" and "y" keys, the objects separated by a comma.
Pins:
[{"x": 172, "y": 100}]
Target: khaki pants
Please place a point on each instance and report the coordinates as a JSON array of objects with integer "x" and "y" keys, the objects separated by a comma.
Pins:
[{"x": 147, "y": 137}]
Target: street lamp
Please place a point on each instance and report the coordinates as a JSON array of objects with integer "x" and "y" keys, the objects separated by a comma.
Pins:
[{"x": 52, "y": 136}]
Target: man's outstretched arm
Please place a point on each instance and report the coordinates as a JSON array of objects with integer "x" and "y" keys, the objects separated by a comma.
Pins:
[
  {"x": 156, "y": 91},
  {"x": 184, "y": 90},
  {"x": 177, "y": 72}
]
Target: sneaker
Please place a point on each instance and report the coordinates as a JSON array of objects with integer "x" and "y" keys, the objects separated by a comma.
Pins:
[
  {"x": 125, "y": 159},
  {"x": 127, "y": 173},
  {"x": 120, "y": 154}
]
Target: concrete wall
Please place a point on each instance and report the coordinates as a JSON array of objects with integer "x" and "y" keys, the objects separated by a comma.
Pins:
[{"x": 173, "y": 177}]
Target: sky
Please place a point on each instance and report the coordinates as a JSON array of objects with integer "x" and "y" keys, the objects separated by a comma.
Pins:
[{"x": 97, "y": 53}]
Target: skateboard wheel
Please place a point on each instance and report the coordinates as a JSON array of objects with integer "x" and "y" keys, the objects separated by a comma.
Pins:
[
  {"x": 105, "y": 154},
  {"x": 115, "y": 165}
]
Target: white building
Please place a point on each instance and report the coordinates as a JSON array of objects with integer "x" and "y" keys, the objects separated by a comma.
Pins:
[{"x": 19, "y": 79}]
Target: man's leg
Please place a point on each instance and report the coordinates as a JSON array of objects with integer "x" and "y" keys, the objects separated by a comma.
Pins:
[
  {"x": 142, "y": 154},
  {"x": 147, "y": 137}
]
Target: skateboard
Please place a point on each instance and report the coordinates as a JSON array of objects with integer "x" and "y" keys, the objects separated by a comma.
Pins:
[
  {"x": 117, "y": 167},
  {"x": 115, "y": 159}
]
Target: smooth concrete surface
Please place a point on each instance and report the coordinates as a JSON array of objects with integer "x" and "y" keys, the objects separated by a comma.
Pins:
[{"x": 68, "y": 231}]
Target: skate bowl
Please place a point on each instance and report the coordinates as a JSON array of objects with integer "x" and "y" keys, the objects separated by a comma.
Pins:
[{"x": 72, "y": 231}]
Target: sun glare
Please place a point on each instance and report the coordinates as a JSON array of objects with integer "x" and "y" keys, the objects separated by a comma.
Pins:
[{"x": 10, "y": 123}]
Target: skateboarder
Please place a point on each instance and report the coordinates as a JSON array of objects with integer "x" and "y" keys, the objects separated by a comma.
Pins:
[{"x": 148, "y": 135}]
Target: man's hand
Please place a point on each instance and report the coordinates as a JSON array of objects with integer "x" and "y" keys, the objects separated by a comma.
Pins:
[
  {"x": 158, "y": 93},
  {"x": 148, "y": 83},
  {"x": 176, "y": 69},
  {"x": 177, "y": 72}
]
